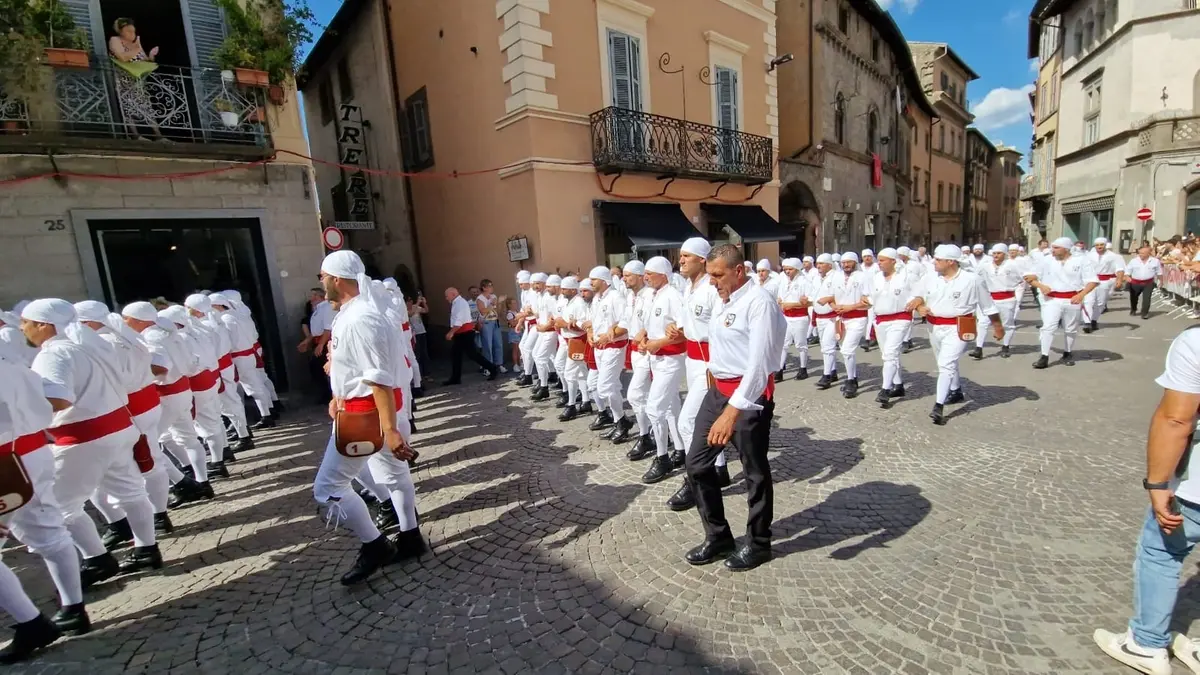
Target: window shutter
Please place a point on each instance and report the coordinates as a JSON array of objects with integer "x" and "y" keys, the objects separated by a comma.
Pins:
[
  {"x": 624, "y": 65},
  {"x": 727, "y": 113},
  {"x": 80, "y": 11},
  {"x": 208, "y": 30},
  {"x": 635, "y": 73}
]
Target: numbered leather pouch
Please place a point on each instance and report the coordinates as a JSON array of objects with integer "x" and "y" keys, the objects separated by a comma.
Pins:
[
  {"x": 15, "y": 487},
  {"x": 840, "y": 329},
  {"x": 357, "y": 434},
  {"x": 577, "y": 349},
  {"x": 967, "y": 328}
]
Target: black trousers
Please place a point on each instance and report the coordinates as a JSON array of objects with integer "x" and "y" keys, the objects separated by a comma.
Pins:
[
  {"x": 1143, "y": 290},
  {"x": 464, "y": 345},
  {"x": 316, "y": 370},
  {"x": 751, "y": 435}
]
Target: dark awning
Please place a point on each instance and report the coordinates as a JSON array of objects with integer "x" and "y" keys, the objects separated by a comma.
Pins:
[
  {"x": 750, "y": 222},
  {"x": 650, "y": 225}
]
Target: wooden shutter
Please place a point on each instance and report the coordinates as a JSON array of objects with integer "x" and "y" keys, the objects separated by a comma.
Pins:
[
  {"x": 80, "y": 11},
  {"x": 208, "y": 30},
  {"x": 624, "y": 66},
  {"x": 727, "y": 112}
]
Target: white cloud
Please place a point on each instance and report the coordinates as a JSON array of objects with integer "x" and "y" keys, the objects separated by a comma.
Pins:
[
  {"x": 1002, "y": 107},
  {"x": 909, "y": 5},
  {"x": 1033, "y": 65}
]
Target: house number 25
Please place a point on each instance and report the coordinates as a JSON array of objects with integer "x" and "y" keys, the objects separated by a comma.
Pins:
[{"x": 55, "y": 225}]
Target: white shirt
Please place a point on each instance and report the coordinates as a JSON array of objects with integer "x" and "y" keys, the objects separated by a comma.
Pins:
[
  {"x": 168, "y": 351},
  {"x": 795, "y": 290},
  {"x": 136, "y": 358},
  {"x": 637, "y": 308},
  {"x": 204, "y": 342},
  {"x": 957, "y": 296},
  {"x": 1068, "y": 276},
  {"x": 890, "y": 295},
  {"x": 545, "y": 307},
  {"x": 23, "y": 405},
  {"x": 241, "y": 331},
  {"x": 913, "y": 268},
  {"x": 365, "y": 348},
  {"x": 700, "y": 300},
  {"x": 846, "y": 289},
  {"x": 1144, "y": 270},
  {"x": 665, "y": 308},
  {"x": 1006, "y": 276},
  {"x": 820, "y": 291},
  {"x": 575, "y": 313},
  {"x": 14, "y": 347},
  {"x": 222, "y": 338},
  {"x": 529, "y": 298},
  {"x": 745, "y": 339},
  {"x": 71, "y": 373},
  {"x": 321, "y": 319},
  {"x": 1109, "y": 263},
  {"x": 489, "y": 304},
  {"x": 460, "y": 313},
  {"x": 608, "y": 309},
  {"x": 1182, "y": 374}
]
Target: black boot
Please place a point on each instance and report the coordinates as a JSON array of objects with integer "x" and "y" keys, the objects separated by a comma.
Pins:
[
  {"x": 228, "y": 456},
  {"x": 100, "y": 568},
  {"x": 73, "y": 620},
  {"x": 1042, "y": 363},
  {"x": 802, "y": 374},
  {"x": 367, "y": 497},
  {"x": 956, "y": 396},
  {"x": 1068, "y": 359},
  {"x": 238, "y": 445},
  {"x": 908, "y": 346},
  {"x": 779, "y": 375},
  {"x": 586, "y": 409},
  {"x": 825, "y": 382},
  {"x": 539, "y": 393},
  {"x": 623, "y": 427},
  {"x": 677, "y": 458},
  {"x": 267, "y": 422},
  {"x": 642, "y": 448},
  {"x": 937, "y": 416},
  {"x": 163, "y": 524},
  {"x": 723, "y": 479},
  {"x": 552, "y": 378},
  {"x": 524, "y": 381},
  {"x": 385, "y": 515},
  {"x": 683, "y": 499},
  {"x": 850, "y": 388},
  {"x": 659, "y": 469},
  {"x": 117, "y": 535},
  {"x": 142, "y": 558},
  {"x": 29, "y": 637},
  {"x": 883, "y": 396},
  {"x": 976, "y": 353},
  {"x": 569, "y": 413},
  {"x": 1005, "y": 352},
  {"x": 372, "y": 556},
  {"x": 602, "y": 421},
  {"x": 409, "y": 545},
  {"x": 218, "y": 469},
  {"x": 562, "y": 401},
  {"x": 897, "y": 391}
]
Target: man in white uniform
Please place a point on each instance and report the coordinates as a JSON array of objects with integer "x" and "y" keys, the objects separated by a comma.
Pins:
[
  {"x": 526, "y": 324},
  {"x": 846, "y": 291},
  {"x": 575, "y": 370},
  {"x": 200, "y": 309},
  {"x": 243, "y": 352},
  {"x": 1143, "y": 272},
  {"x": 224, "y": 323},
  {"x": 826, "y": 321},
  {"x": 1002, "y": 277},
  {"x": 795, "y": 298},
  {"x": 946, "y": 299},
  {"x": 890, "y": 295},
  {"x": 560, "y": 354},
  {"x": 589, "y": 356},
  {"x": 609, "y": 341},
  {"x": 666, "y": 354},
  {"x": 638, "y": 297},
  {"x": 205, "y": 383},
  {"x": 13, "y": 345},
  {"x": 1064, "y": 280},
  {"x": 814, "y": 280},
  {"x": 547, "y": 339},
  {"x": 1110, "y": 270},
  {"x": 766, "y": 277},
  {"x": 914, "y": 268},
  {"x": 93, "y": 436},
  {"x": 869, "y": 270}
]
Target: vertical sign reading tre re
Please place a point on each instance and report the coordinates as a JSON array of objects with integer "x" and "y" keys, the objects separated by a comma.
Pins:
[{"x": 352, "y": 154}]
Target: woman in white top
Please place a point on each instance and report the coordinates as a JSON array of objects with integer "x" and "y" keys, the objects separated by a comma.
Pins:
[{"x": 491, "y": 337}]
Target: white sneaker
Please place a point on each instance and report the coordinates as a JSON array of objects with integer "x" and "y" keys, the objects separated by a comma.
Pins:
[
  {"x": 503, "y": 370},
  {"x": 1121, "y": 647},
  {"x": 1186, "y": 651}
]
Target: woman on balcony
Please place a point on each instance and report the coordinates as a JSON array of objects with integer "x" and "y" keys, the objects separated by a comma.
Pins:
[{"x": 126, "y": 49}]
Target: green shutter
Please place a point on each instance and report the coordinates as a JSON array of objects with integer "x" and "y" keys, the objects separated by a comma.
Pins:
[{"x": 208, "y": 30}]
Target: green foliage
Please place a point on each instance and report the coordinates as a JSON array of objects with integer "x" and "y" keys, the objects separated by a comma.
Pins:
[
  {"x": 265, "y": 35},
  {"x": 26, "y": 28}
]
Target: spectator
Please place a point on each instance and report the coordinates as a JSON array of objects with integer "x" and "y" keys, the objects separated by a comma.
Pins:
[
  {"x": 510, "y": 328},
  {"x": 491, "y": 338},
  {"x": 417, "y": 309},
  {"x": 317, "y": 328}
]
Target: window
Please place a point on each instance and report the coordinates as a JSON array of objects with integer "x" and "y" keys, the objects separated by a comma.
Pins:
[
  {"x": 928, "y": 141},
  {"x": 844, "y": 19},
  {"x": 419, "y": 148},
  {"x": 941, "y": 194},
  {"x": 625, "y": 70},
  {"x": 942, "y": 139},
  {"x": 1042, "y": 105},
  {"x": 1112, "y": 14},
  {"x": 839, "y": 119},
  {"x": 917, "y": 185},
  {"x": 1191, "y": 223},
  {"x": 1091, "y": 111},
  {"x": 1089, "y": 28},
  {"x": 345, "y": 82},
  {"x": 1100, "y": 24},
  {"x": 1078, "y": 37},
  {"x": 325, "y": 98},
  {"x": 1054, "y": 93},
  {"x": 875, "y": 49},
  {"x": 945, "y": 82},
  {"x": 872, "y": 131},
  {"x": 727, "y": 111}
]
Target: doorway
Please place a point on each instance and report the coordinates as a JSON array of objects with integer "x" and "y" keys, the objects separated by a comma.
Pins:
[
  {"x": 145, "y": 259},
  {"x": 159, "y": 24}
]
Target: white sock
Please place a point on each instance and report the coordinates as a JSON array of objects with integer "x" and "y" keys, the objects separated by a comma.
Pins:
[
  {"x": 63, "y": 565},
  {"x": 110, "y": 511},
  {"x": 1069, "y": 340},
  {"x": 158, "y": 487},
  {"x": 140, "y": 514},
  {"x": 721, "y": 458},
  {"x": 851, "y": 365},
  {"x": 643, "y": 423},
  {"x": 353, "y": 511},
  {"x": 174, "y": 475},
  {"x": 199, "y": 461},
  {"x": 83, "y": 532},
  {"x": 13, "y": 598}
]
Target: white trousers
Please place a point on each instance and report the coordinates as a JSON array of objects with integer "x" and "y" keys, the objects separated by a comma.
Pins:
[
  {"x": 1008, "y": 318},
  {"x": 560, "y": 356},
  {"x": 13, "y": 598},
  {"x": 1059, "y": 312},
  {"x": 231, "y": 402},
  {"x": 255, "y": 386},
  {"x": 795, "y": 336},
  {"x": 638, "y": 390},
  {"x": 158, "y": 486},
  {"x": 827, "y": 332},
  {"x": 576, "y": 375},
  {"x": 609, "y": 364},
  {"x": 39, "y": 524},
  {"x": 543, "y": 355},
  {"x": 105, "y": 464},
  {"x": 526, "y": 347},
  {"x": 890, "y": 335},
  {"x": 947, "y": 349},
  {"x": 178, "y": 435},
  {"x": 855, "y": 330},
  {"x": 662, "y": 401},
  {"x": 1020, "y": 292},
  {"x": 1097, "y": 300},
  {"x": 208, "y": 421}
]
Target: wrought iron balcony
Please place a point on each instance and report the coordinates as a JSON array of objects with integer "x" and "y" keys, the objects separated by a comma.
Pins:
[
  {"x": 171, "y": 111},
  {"x": 630, "y": 140}
]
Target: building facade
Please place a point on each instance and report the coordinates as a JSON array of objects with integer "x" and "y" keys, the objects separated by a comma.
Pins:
[
  {"x": 981, "y": 155},
  {"x": 1037, "y": 192},
  {"x": 845, "y": 152},
  {"x": 198, "y": 182},
  {"x": 944, "y": 77},
  {"x": 1003, "y": 204},
  {"x": 917, "y": 213},
  {"x": 1129, "y": 119}
]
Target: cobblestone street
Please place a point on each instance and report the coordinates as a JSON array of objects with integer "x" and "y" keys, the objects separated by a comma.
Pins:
[{"x": 995, "y": 544}]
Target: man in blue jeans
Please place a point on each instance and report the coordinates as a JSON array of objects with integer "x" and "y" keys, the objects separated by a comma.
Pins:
[
  {"x": 492, "y": 344},
  {"x": 1172, "y": 525}
]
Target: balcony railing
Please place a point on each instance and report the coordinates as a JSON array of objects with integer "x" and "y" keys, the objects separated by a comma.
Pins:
[
  {"x": 1166, "y": 131},
  {"x": 630, "y": 140},
  {"x": 107, "y": 108}
]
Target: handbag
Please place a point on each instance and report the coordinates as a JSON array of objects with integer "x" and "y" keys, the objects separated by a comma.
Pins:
[
  {"x": 577, "y": 349},
  {"x": 357, "y": 434},
  {"x": 968, "y": 330},
  {"x": 840, "y": 329},
  {"x": 15, "y": 487}
]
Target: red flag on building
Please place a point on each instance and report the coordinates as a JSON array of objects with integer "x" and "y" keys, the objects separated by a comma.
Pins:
[{"x": 876, "y": 170}]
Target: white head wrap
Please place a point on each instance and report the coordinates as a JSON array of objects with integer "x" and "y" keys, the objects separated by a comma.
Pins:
[
  {"x": 236, "y": 296},
  {"x": 554, "y": 280},
  {"x": 523, "y": 277},
  {"x": 634, "y": 267},
  {"x": 219, "y": 299},
  {"x": 1021, "y": 249},
  {"x": 601, "y": 273},
  {"x": 836, "y": 257},
  {"x": 585, "y": 285},
  {"x": 570, "y": 284},
  {"x": 793, "y": 263},
  {"x": 1014, "y": 247},
  {"x": 808, "y": 259},
  {"x": 947, "y": 252},
  {"x": 849, "y": 255},
  {"x": 904, "y": 251},
  {"x": 965, "y": 249},
  {"x": 142, "y": 311},
  {"x": 198, "y": 302},
  {"x": 977, "y": 247},
  {"x": 10, "y": 319},
  {"x": 1100, "y": 240},
  {"x": 1000, "y": 248},
  {"x": 659, "y": 265},
  {"x": 61, "y": 314},
  {"x": 537, "y": 278},
  {"x": 91, "y": 310},
  {"x": 347, "y": 265},
  {"x": 696, "y": 246},
  {"x": 867, "y": 253},
  {"x": 825, "y": 258},
  {"x": 887, "y": 253},
  {"x": 1062, "y": 242},
  {"x": 165, "y": 321},
  {"x": 763, "y": 264},
  {"x": 749, "y": 265}
]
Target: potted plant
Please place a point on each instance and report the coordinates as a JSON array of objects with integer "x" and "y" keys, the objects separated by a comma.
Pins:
[
  {"x": 265, "y": 39},
  {"x": 65, "y": 44},
  {"x": 276, "y": 94},
  {"x": 229, "y": 117}
]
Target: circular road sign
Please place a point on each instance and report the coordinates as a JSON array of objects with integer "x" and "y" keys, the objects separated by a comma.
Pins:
[{"x": 333, "y": 238}]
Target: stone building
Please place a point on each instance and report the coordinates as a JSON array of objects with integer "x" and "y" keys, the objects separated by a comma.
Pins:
[
  {"x": 916, "y": 215},
  {"x": 844, "y": 150},
  {"x": 981, "y": 154},
  {"x": 1045, "y": 45},
  {"x": 1004, "y": 190}
]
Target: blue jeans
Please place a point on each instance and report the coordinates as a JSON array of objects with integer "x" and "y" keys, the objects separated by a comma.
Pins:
[
  {"x": 493, "y": 343},
  {"x": 1156, "y": 565}
]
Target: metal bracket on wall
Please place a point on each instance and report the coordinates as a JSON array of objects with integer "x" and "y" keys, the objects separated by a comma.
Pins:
[
  {"x": 670, "y": 179},
  {"x": 61, "y": 180}
]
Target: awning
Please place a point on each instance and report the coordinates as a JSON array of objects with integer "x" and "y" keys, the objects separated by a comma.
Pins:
[
  {"x": 650, "y": 225},
  {"x": 1094, "y": 204},
  {"x": 750, "y": 221}
]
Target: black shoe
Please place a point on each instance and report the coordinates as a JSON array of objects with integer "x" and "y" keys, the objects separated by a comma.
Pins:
[
  {"x": 1087, "y": 328},
  {"x": 908, "y": 346},
  {"x": 445, "y": 383},
  {"x": 659, "y": 469},
  {"x": 267, "y": 422},
  {"x": 29, "y": 637},
  {"x": 367, "y": 497},
  {"x": 976, "y": 353},
  {"x": 163, "y": 524},
  {"x": 540, "y": 394},
  {"x": 850, "y": 388},
  {"x": 621, "y": 433},
  {"x": 802, "y": 374},
  {"x": 188, "y": 472},
  {"x": 866, "y": 345},
  {"x": 602, "y": 421},
  {"x": 642, "y": 448},
  {"x": 883, "y": 396},
  {"x": 896, "y": 391},
  {"x": 372, "y": 556},
  {"x": 1145, "y": 316},
  {"x": 1042, "y": 363},
  {"x": 833, "y": 377},
  {"x": 73, "y": 620},
  {"x": 779, "y": 376},
  {"x": 100, "y": 568},
  {"x": 142, "y": 558},
  {"x": 1067, "y": 359},
  {"x": 553, "y": 378},
  {"x": 956, "y": 396},
  {"x": 586, "y": 409},
  {"x": 562, "y": 401},
  {"x": 218, "y": 469},
  {"x": 937, "y": 416},
  {"x": 608, "y": 433},
  {"x": 683, "y": 499},
  {"x": 813, "y": 340},
  {"x": 747, "y": 557},
  {"x": 385, "y": 515},
  {"x": 1096, "y": 325},
  {"x": 238, "y": 445},
  {"x": 569, "y": 413},
  {"x": 188, "y": 490},
  {"x": 709, "y": 551},
  {"x": 524, "y": 381},
  {"x": 409, "y": 545},
  {"x": 117, "y": 535},
  {"x": 1005, "y": 352},
  {"x": 678, "y": 458},
  {"x": 228, "y": 456},
  {"x": 418, "y": 392},
  {"x": 825, "y": 382},
  {"x": 493, "y": 374},
  {"x": 723, "y": 479}
]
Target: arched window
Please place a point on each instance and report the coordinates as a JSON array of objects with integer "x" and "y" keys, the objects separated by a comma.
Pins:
[
  {"x": 1101, "y": 25},
  {"x": 872, "y": 131},
  {"x": 1112, "y": 14},
  {"x": 839, "y": 119},
  {"x": 1089, "y": 28},
  {"x": 1078, "y": 37}
]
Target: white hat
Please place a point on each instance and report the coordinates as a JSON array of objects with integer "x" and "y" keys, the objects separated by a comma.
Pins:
[
  {"x": 91, "y": 310},
  {"x": 904, "y": 251},
  {"x": 601, "y": 273},
  {"x": 523, "y": 277},
  {"x": 538, "y": 278},
  {"x": 793, "y": 263},
  {"x": 1021, "y": 248},
  {"x": 825, "y": 258},
  {"x": 585, "y": 285},
  {"x": 554, "y": 280},
  {"x": 142, "y": 311},
  {"x": 697, "y": 246},
  {"x": 1014, "y": 247},
  {"x": 570, "y": 284},
  {"x": 201, "y": 303},
  {"x": 1062, "y": 242},
  {"x": 849, "y": 255},
  {"x": 999, "y": 248},
  {"x": 1100, "y": 240},
  {"x": 219, "y": 299},
  {"x": 867, "y": 253},
  {"x": 635, "y": 267},
  {"x": 836, "y": 257},
  {"x": 887, "y": 253},
  {"x": 807, "y": 258},
  {"x": 763, "y": 264},
  {"x": 659, "y": 265},
  {"x": 947, "y": 252},
  {"x": 178, "y": 315},
  {"x": 977, "y": 247},
  {"x": 56, "y": 312},
  {"x": 343, "y": 265},
  {"x": 749, "y": 265}
]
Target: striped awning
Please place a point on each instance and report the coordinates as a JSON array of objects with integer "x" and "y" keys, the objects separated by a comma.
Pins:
[{"x": 1093, "y": 204}]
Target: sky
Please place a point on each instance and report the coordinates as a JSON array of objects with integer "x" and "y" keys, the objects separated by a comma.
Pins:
[{"x": 990, "y": 35}]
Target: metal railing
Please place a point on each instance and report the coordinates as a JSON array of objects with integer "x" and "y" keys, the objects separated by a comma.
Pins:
[
  {"x": 637, "y": 141},
  {"x": 171, "y": 104}
]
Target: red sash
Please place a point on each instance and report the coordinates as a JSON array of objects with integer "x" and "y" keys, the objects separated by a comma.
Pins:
[
  {"x": 697, "y": 350},
  {"x": 143, "y": 400},
  {"x": 1003, "y": 295},
  {"x": 177, "y": 387},
  {"x": 795, "y": 313},
  {"x": 727, "y": 387},
  {"x": 619, "y": 344},
  {"x": 1063, "y": 295},
  {"x": 406, "y": 326},
  {"x": 465, "y": 328},
  {"x": 672, "y": 350},
  {"x": 203, "y": 381},
  {"x": 898, "y": 316},
  {"x": 589, "y": 357},
  {"x": 1106, "y": 277},
  {"x": 25, "y": 444},
  {"x": 74, "y": 433},
  {"x": 854, "y": 314},
  {"x": 225, "y": 362},
  {"x": 943, "y": 320},
  {"x": 258, "y": 359},
  {"x": 243, "y": 353},
  {"x": 362, "y": 404},
  {"x": 1141, "y": 282}
]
